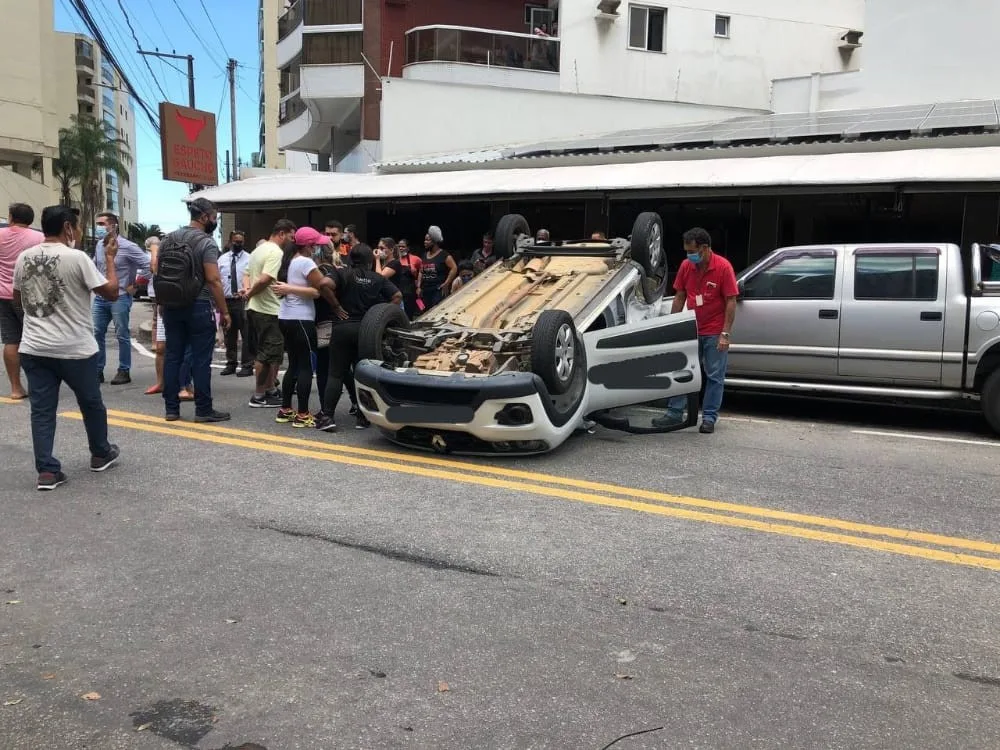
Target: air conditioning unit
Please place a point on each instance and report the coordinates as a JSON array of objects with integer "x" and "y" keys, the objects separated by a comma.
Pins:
[{"x": 608, "y": 7}]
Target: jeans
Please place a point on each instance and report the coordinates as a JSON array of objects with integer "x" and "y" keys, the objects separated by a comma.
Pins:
[
  {"x": 45, "y": 376},
  {"x": 237, "y": 332},
  {"x": 118, "y": 311},
  {"x": 713, "y": 369},
  {"x": 192, "y": 327}
]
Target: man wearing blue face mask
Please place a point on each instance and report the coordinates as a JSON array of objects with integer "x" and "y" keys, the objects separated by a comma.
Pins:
[
  {"x": 130, "y": 261},
  {"x": 705, "y": 282}
]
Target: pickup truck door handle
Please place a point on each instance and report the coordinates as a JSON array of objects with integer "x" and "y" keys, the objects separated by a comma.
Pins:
[
  {"x": 829, "y": 314},
  {"x": 927, "y": 315}
]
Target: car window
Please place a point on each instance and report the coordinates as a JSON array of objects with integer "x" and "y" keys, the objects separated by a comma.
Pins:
[
  {"x": 896, "y": 276},
  {"x": 795, "y": 277}
]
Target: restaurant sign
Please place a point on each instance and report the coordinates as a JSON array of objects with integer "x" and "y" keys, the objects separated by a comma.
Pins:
[{"x": 187, "y": 138}]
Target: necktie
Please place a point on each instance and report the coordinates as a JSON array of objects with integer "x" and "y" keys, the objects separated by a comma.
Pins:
[{"x": 232, "y": 276}]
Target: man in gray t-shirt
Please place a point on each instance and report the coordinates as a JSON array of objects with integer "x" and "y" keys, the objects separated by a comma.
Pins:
[
  {"x": 194, "y": 326},
  {"x": 52, "y": 285}
]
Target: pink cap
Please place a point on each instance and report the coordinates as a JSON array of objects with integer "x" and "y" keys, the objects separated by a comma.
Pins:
[{"x": 309, "y": 236}]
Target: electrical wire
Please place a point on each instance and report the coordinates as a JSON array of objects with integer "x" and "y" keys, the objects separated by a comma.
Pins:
[
  {"x": 105, "y": 15},
  {"x": 138, "y": 48},
  {"x": 211, "y": 22},
  {"x": 207, "y": 48}
]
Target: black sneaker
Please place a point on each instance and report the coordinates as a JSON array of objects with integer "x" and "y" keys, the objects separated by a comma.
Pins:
[
  {"x": 215, "y": 416},
  {"x": 102, "y": 463},
  {"x": 173, "y": 417},
  {"x": 266, "y": 401},
  {"x": 325, "y": 423},
  {"x": 121, "y": 378},
  {"x": 361, "y": 421},
  {"x": 49, "y": 480},
  {"x": 245, "y": 372},
  {"x": 353, "y": 410},
  {"x": 707, "y": 428},
  {"x": 274, "y": 393},
  {"x": 228, "y": 370}
]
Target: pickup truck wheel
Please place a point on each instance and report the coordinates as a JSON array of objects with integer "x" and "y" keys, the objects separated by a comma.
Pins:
[
  {"x": 509, "y": 229},
  {"x": 990, "y": 400},
  {"x": 554, "y": 350},
  {"x": 371, "y": 335},
  {"x": 647, "y": 244}
]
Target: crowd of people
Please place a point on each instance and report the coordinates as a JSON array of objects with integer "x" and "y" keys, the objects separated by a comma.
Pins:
[{"x": 298, "y": 295}]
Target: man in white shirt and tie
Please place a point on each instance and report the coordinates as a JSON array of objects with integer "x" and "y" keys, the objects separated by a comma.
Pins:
[{"x": 233, "y": 264}]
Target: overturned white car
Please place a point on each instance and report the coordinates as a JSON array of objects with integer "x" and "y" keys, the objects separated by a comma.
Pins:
[{"x": 551, "y": 339}]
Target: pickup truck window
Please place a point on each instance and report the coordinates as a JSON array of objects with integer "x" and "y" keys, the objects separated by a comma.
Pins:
[
  {"x": 794, "y": 277},
  {"x": 896, "y": 276}
]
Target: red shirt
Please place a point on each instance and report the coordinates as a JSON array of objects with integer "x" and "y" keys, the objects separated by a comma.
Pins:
[{"x": 711, "y": 289}]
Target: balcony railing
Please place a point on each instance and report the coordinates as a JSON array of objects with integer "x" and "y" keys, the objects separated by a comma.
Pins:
[
  {"x": 291, "y": 108},
  {"x": 461, "y": 44},
  {"x": 85, "y": 91},
  {"x": 84, "y": 61},
  {"x": 319, "y": 13},
  {"x": 290, "y": 78},
  {"x": 332, "y": 48}
]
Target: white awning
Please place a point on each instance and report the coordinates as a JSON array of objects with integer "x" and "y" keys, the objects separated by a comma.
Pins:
[{"x": 905, "y": 167}]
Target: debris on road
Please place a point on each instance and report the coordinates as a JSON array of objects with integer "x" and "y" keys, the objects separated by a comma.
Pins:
[{"x": 91, "y": 696}]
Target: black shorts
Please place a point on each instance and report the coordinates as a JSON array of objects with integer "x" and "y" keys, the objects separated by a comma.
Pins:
[
  {"x": 266, "y": 341},
  {"x": 10, "y": 323}
]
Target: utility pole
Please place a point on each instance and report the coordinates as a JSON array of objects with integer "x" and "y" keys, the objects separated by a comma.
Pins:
[
  {"x": 232, "y": 117},
  {"x": 190, "y": 64}
]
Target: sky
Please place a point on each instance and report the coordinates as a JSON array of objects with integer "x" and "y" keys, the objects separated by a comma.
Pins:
[{"x": 225, "y": 28}]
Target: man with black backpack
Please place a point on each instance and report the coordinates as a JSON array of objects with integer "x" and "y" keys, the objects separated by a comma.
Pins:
[{"x": 187, "y": 283}]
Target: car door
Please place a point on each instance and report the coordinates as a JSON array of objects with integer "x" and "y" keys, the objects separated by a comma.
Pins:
[
  {"x": 892, "y": 326},
  {"x": 788, "y": 317},
  {"x": 634, "y": 368}
]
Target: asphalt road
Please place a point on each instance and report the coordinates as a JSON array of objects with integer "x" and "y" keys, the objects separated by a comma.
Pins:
[{"x": 811, "y": 576}]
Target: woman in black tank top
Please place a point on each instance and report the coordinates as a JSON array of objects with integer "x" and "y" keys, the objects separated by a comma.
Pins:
[{"x": 438, "y": 268}]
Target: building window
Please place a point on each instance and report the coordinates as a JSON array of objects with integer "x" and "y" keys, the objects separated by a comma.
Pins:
[
  {"x": 336, "y": 48},
  {"x": 646, "y": 28},
  {"x": 896, "y": 277},
  {"x": 722, "y": 26},
  {"x": 84, "y": 49}
]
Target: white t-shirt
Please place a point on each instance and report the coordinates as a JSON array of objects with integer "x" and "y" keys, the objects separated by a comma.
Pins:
[
  {"x": 294, "y": 307},
  {"x": 55, "y": 283}
]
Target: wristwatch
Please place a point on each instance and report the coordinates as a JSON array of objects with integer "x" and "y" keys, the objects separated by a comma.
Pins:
[{"x": 725, "y": 334}]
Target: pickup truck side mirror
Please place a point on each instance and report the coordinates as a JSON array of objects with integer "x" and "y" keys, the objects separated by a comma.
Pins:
[{"x": 740, "y": 290}]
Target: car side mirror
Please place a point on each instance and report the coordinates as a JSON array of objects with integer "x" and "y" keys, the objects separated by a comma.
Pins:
[{"x": 740, "y": 290}]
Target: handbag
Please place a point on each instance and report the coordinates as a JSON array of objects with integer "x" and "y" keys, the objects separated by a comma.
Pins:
[{"x": 324, "y": 331}]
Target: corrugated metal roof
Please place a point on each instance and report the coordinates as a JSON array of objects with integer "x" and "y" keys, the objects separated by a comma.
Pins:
[
  {"x": 845, "y": 126},
  {"x": 945, "y": 165}
]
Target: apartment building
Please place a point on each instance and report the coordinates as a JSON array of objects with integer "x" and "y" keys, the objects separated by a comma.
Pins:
[
  {"x": 365, "y": 81},
  {"x": 48, "y": 76},
  {"x": 101, "y": 94}
]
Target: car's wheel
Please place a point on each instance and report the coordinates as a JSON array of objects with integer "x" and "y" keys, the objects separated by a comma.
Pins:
[
  {"x": 647, "y": 244},
  {"x": 555, "y": 354},
  {"x": 510, "y": 228},
  {"x": 990, "y": 400},
  {"x": 371, "y": 335}
]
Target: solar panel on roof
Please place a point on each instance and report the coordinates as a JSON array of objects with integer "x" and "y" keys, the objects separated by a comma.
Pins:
[{"x": 972, "y": 114}]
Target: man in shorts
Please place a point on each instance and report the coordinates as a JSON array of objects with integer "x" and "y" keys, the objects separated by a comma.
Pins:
[
  {"x": 262, "y": 314},
  {"x": 14, "y": 240}
]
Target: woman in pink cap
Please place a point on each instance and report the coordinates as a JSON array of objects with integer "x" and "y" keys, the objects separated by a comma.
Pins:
[{"x": 300, "y": 282}]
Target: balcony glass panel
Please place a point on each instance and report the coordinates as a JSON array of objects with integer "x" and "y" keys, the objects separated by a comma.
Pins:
[
  {"x": 482, "y": 47},
  {"x": 332, "y": 12},
  {"x": 334, "y": 48},
  {"x": 291, "y": 78},
  {"x": 290, "y": 21},
  {"x": 291, "y": 108}
]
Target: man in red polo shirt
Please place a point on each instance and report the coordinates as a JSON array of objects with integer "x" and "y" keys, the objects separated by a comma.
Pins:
[{"x": 707, "y": 283}]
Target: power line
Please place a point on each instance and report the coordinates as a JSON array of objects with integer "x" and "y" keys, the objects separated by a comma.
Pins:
[
  {"x": 150, "y": 85},
  {"x": 208, "y": 49},
  {"x": 211, "y": 22},
  {"x": 138, "y": 47}
]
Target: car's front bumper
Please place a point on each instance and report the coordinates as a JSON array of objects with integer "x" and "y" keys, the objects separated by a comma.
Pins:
[{"x": 458, "y": 413}]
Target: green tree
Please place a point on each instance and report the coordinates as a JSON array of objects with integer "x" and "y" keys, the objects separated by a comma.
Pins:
[
  {"x": 87, "y": 150},
  {"x": 138, "y": 232}
]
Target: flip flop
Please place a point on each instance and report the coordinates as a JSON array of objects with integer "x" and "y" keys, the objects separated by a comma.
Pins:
[{"x": 18, "y": 398}]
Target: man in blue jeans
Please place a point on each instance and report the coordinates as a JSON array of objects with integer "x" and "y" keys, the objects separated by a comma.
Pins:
[
  {"x": 706, "y": 282},
  {"x": 52, "y": 285},
  {"x": 194, "y": 325},
  {"x": 129, "y": 262}
]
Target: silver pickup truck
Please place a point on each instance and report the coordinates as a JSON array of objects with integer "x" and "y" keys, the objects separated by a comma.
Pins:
[{"x": 899, "y": 321}]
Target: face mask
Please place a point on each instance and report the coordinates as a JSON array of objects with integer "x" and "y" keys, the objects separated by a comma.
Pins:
[
  {"x": 70, "y": 240},
  {"x": 318, "y": 252},
  {"x": 211, "y": 226},
  {"x": 102, "y": 232},
  {"x": 238, "y": 247},
  {"x": 466, "y": 279},
  {"x": 694, "y": 258}
]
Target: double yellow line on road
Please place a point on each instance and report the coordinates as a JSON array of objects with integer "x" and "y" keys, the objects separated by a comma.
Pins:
[{"x": 929, "y": 546}]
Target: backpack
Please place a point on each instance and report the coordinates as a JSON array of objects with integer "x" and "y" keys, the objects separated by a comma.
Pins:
[{"x": 179, "y": 276}]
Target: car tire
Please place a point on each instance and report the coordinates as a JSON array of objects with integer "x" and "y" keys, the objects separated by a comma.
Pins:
[
  {"x": 647, "y": 245},
  {"x": 555, "y": 350},
  {"x": 990, "y": 400},
  {"x": 509, "y": 229},
  {"x": 376, "y": 322}
]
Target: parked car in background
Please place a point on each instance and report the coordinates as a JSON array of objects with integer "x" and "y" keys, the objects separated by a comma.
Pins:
[
  {"x": 555, "y": 336},
  {"x": 142, "y": 286},
  {"x": 905, "y": 321}
]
